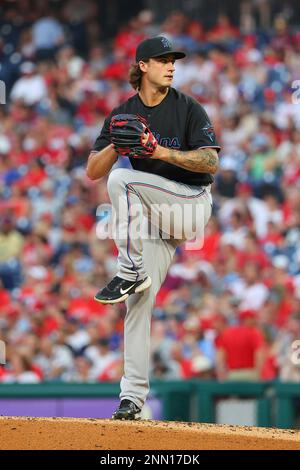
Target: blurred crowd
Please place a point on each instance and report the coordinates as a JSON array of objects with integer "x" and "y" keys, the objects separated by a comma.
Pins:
[{"x": 228, "y": 311}]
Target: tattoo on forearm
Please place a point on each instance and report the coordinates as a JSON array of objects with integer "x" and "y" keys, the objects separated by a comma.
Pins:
[{"x": 199, "y": 161}]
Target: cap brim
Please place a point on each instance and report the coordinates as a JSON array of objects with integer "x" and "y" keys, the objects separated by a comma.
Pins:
[{"x": 176, "y": 54}]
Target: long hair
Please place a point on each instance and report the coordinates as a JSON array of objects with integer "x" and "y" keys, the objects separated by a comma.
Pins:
[{"x": 135, "y": 76}]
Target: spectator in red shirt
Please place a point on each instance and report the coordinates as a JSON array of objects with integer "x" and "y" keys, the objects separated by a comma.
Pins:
[
  {"x": 223, "y": 30},
  {"x": 240, "y": 350}
]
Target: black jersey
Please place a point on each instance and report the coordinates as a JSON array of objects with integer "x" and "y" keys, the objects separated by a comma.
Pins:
[{"x": 178, "y": 122}]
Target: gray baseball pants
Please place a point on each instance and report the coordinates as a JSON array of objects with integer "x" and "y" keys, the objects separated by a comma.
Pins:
[{"x": 153, "y": 215}]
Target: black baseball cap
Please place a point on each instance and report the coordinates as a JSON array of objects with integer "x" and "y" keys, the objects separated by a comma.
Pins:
[{"x": 156, "y": 47}]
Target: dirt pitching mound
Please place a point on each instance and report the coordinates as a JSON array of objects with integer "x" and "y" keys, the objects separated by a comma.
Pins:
[{"x": 102, "y": 434}]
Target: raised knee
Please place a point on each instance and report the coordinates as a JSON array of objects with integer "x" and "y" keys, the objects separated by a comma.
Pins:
[
  {"x": 119, "y": 177},
  {"x": 114, "y": 178},
  {"x": 116, "y": 182}
]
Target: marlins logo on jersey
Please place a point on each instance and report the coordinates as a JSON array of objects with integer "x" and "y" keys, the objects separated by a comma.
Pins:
[{"x": 208, "y": 130}]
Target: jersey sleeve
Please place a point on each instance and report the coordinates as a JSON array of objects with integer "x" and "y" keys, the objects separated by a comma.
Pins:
[
  {"x": 200, "y": 132},
  {"x": 103, "y": 140}
]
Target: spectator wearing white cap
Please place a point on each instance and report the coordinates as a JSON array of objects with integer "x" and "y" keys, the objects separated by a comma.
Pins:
[
  {"x": 226, "y": 180},
  {"x": 30, "y": 87}
]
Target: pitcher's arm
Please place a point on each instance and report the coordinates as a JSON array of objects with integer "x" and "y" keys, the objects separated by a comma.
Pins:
[{"x": 100, "y": 163}]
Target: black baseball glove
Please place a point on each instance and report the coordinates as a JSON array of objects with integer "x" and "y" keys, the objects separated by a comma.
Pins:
[{"x": 131, "y": 136}]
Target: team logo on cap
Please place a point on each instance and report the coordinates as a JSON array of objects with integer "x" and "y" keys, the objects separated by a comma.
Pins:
[{"x": 166, "y": 43}]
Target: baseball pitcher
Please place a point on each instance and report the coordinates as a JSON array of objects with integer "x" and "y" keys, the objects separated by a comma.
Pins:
[{"x": 173, "y": 152}]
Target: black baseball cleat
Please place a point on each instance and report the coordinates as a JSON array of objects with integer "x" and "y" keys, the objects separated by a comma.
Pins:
[
  {"x": 120, "y": 289},
  {"x": 127, "y": 410}
]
